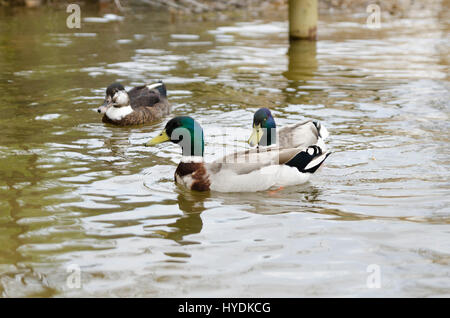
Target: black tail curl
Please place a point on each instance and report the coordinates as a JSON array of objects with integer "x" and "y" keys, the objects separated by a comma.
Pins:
[{"x": 305, "y": 157}]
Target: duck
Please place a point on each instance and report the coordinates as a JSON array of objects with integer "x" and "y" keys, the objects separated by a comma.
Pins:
[
  {"x": 140, "y": 105},
  {"x": 252, "y": 170},
  {"x": 298, "y": 135}
]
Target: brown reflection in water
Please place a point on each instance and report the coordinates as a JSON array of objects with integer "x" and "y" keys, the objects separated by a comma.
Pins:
[
  {"x": 302, "y": 60},
  {"x": 20, "y": 174},
  {"x": 118, "y": 142},
  {"x": 302, "y": 68},
  {"x": 192, "y": 204}
]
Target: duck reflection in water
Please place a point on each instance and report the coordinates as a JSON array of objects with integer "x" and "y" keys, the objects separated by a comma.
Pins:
[{"x": 192, "y": 205}]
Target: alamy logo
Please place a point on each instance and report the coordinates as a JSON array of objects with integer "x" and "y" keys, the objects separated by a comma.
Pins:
[
  {"x": 74, "y": 19},
  {"x": 74, "y": 277},
  {"x": 374, "y": 279},
  {"x": 374, "y": 18}
]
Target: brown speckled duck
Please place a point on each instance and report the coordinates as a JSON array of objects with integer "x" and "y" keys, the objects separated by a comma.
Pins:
[{"x": 140, "y": 105}]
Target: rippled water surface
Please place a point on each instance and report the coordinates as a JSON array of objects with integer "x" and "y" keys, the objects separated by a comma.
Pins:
[{"x": 76, "y": 191}]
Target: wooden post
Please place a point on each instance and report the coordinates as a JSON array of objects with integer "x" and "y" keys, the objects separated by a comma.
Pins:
[{"x": 303, "y": 16}]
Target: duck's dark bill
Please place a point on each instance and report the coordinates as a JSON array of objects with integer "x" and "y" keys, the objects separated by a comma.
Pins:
[
  {"x": 103, "y": 108},
  {"x": 162, "y": 137}
]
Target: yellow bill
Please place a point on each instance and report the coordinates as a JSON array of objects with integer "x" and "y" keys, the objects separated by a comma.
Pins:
[
  {"x": 162, "y": 137},
  {"x": 256, "y": 135}
]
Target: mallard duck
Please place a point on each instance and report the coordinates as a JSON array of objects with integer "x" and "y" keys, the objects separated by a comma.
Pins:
[
  {"x": 247, "y": 171},
  {"x": 299, "y": 135},
  {"x": 140, "y": 105}
]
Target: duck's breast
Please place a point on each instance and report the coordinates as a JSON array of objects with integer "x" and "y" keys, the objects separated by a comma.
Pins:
[{"x": 193, "y": 175}]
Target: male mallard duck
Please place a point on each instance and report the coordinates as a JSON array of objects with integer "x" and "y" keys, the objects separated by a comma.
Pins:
[
  {"x": 247, "y": 171},
  {"x": 299, "y": 135},
  {"x": 140, "y": 105}
]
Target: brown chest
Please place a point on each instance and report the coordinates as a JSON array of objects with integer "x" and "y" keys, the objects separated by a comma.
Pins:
[{"x": 194, "y": 175}]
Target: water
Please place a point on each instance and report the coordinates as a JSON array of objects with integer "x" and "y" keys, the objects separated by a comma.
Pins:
[{"x": 76, "y": 192}]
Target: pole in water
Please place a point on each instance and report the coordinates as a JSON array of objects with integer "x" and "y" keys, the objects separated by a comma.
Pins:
[{"x": 303, "y": 15}]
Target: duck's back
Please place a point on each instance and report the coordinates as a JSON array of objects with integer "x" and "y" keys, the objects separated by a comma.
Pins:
[
  {"x": 142, "y": 96},
  {"x": 301, "y": 135}
]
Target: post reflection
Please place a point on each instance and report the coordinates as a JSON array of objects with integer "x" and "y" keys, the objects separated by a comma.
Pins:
[{"x": 302, "y": 60}]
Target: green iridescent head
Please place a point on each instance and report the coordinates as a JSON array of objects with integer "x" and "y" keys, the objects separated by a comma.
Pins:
[
  {"x": 264, "y": 129},
  {"x": 184, "y": 131}
]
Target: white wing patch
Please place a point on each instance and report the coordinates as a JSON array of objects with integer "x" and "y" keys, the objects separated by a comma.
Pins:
[
  {"x": 117, "y": 113},
  {"x": 152, "y": 86}
]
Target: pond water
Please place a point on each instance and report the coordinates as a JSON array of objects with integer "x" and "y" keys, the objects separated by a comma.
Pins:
[{"x": 76, "y": 193}]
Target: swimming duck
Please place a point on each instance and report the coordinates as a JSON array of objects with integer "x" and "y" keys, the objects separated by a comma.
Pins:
[
  {"x": 299, "y": 135},
  {"x": 140, "y": 105},
  {"x": 247, "y": 171}
]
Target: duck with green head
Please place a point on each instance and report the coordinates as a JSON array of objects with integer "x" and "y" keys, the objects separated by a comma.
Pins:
[
  {"x": 247, "y": 171},
  {"x": 299, "y": 135}
]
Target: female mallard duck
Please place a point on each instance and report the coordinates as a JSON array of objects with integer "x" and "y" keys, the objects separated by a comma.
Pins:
[
  {"x": 140, "y": 105},
  {"x": 299, "y": 135},
  {"x": 247, "y": 171}
]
